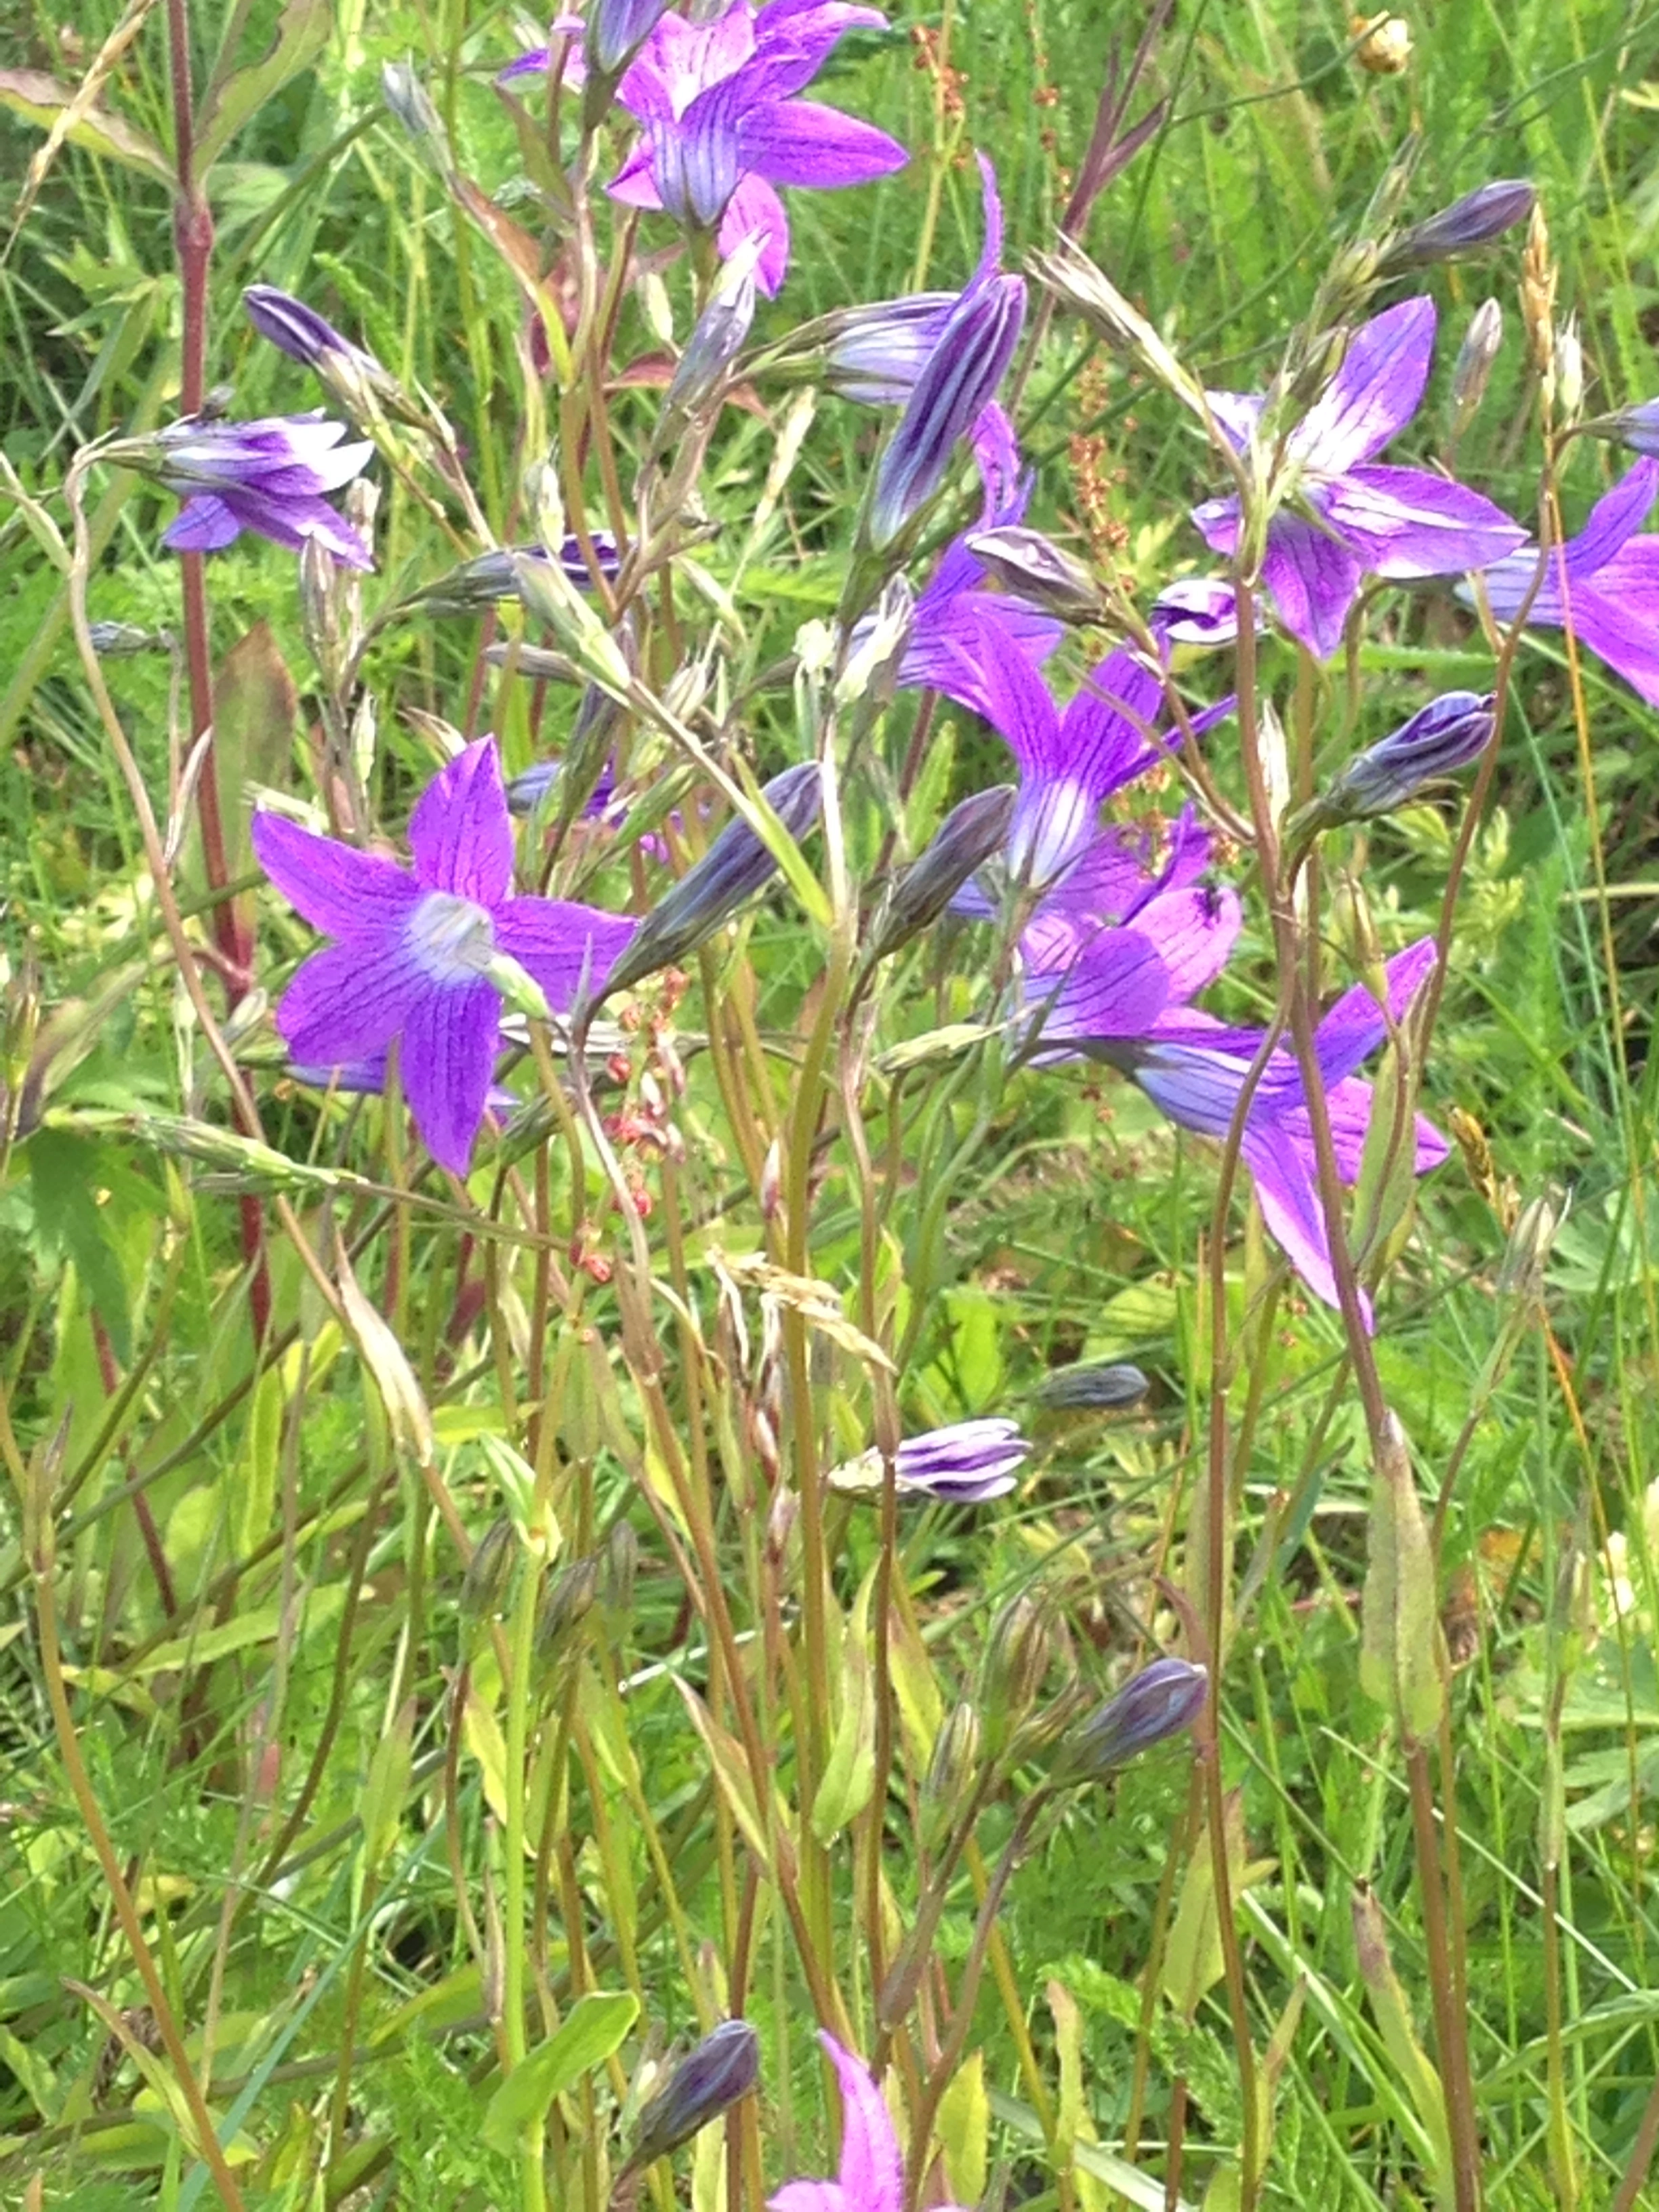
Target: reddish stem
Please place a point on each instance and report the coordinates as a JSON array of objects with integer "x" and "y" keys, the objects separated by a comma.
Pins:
[{"x": 192, "y": 232}]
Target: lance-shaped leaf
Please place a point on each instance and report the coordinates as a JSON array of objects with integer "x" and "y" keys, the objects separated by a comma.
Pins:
[
  {"x": 1394, "y": 2017},
  {"x": 233, "y": 96},
  {"x": 42, "y": 99},
  {"x": 594, "y": 2028}
]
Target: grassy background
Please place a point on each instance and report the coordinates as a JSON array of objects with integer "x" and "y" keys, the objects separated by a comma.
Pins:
[{"x": 1080, "y": 1234}]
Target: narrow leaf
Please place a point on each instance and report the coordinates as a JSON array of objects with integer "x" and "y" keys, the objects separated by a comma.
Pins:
[{"x": 596, "y": 2026}]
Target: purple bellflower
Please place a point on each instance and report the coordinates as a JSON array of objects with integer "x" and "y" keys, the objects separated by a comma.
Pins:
[
  {"x": 1611, "y": 598},
  {"x": 1347, "y": 516},
  {"x": 721, "y": 127},
  {"x": 268, "y": 476},
  {"x": 947, "y": 629},
  {"x": 414, "y": 950},
  {"x": 299, "y": 331},
  {"x": 1450, "y": 733},
  {"x": 967, "y": 1463},
  {"x": 870, "y": 2178},
  {"x": 1193, "y": 1069}
]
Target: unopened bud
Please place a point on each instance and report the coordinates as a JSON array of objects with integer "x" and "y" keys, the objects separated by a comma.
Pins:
[
  {"x": 1521, "y": 1277},
  {"x": 1159, "y": 1702},
  {"x": 707, "y": 2081},
  {"x": 1475, "y": 221},
  {"x": 951, "y": 1770},
  {"x": 482, "y": 583},
  {"x": 566, "y": 1601},
  {"x": 718, "y": 335},
  {"x": 621, "y": 1558},
  {"x": 958, "y": 381},
  {"x": 1569, "y": 370},
  {"x": 735, "y": 867},
  {"x": 488, "y": 1570},
  {"x": 1447, "y": 734},
  {"x": 1033, "y": 568},
  {"x": 1098, "y": 1388},
  {"x": 1016, "y": 1661},
  {"x": 967, "y": 838},
  {"x": 877, "y": 646},
  {"x": 114, "y": 641},
  {"x": 1473, "y": 369},
  {"x": 407, "y": 97},
  {"x": 1538, "y": 280}
]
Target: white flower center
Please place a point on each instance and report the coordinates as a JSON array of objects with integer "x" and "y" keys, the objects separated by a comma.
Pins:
[{"x": 452, "y": 938}]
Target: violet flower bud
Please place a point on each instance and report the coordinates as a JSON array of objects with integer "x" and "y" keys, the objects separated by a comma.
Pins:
[
  {"x": 718, "y": 335},
  {"x": 1447, "y": 734},
  {"x": 1636, "y": 427},
  {"x": 967, "y": 838},
  {"x": 491, "y": 577},
  {"x": 1095, "y": 1388},
  {"x": 735, "y": 867},
  {"x": 1475, "y": 220},
  {"x": 1157, "y": 1703},
  {"x": 1473, "y": 369},
  {"x": 959, "y": 381},
  {"x": 616, "y": 29},
  {"x": 351, "y": 374},
  {"x": 707, "y": 2081},
  {"x": 1033, "y": 568},
  {"x": 965, "y": 1464},
  {"x": 876, "y": 352}
]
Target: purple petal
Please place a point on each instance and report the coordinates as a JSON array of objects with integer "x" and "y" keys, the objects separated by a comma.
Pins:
[
  {"x": 355, "y": 897},
  {"x": 1619, "y": 617},
  {"x": 447, "y": 1057},
  {"x": 812, "y": 2196},
  {"x": 1611, "y": 523},
  {"x": 635, "y": 184},
  {"x": 559, "y": 942},
  {"x": 347, "y": 1003},
  {"x": 871, "y": 2173},
  {"x": 755, "y": 206},
  {"x": 990, "y": 260},
  {"x": 996, "y": 454},
  {"x": 796, "y": 142},
  {"x": 460, "y": 833},
  {"x": 1102, "y": 738},
  {"x": 289, "y": 520},
  {"x": 1108, "y": 883},
  {"x": 1373, "y": 395},
  {"x": 1354, "y": 1027},
  {"x": 202, "y": 525},
  {"x": 1237, "y": 414},
  {"x": 1405, "y": 523},
  {"x": 998, "y": 682},
  {"x": 1290, "y": 1205},
  {"x": 1313, "y": 582},
  {"x": 1118, "y": 988},
  {"x": 1194, "y": 931}
]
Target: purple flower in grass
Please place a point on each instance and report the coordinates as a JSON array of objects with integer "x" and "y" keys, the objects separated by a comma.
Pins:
[
  {"x": 1097, "y": 986},
  {"x": 299, "y": 331},
  {"x": 947, "y": 632},
  {"x": 967, "y": 1463},
  {"x": 1450, "y": 733},
  {"x": 1193, "y": 1069},
  {"x": 871, "y": 2177},
  {"x": 721, "y": 126},
  {"x": 1346, "y": 516},
  {"x": 268, "y": 476},
  {"x": 954, "y": 395},
  {"x": 416, "y": 951},
  {"x": 1611, "y": 595},
  {"x": 1159, "y": 1702}
]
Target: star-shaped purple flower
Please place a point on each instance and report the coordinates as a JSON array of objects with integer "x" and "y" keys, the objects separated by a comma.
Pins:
[
  {"x": 414, "y": 950},
  {"x": 870, "y": 2178},
  {"x": 1612, "y": 595},
  {"x": 1344, "y": 516},
  {"x": 268, "y": 476},
  {"x": 722, "y": 128}
]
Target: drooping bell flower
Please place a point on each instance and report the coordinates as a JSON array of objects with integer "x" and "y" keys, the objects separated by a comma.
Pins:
[{"x": 267, "y": 476}]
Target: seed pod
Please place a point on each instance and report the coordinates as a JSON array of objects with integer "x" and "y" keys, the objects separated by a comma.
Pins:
[
  {"x": 951, "y": 1770},
  {"x": 1016, "y": 1661},
  {"x": 488, "y": 1570},
  {"x": 566, "y": 1601}
]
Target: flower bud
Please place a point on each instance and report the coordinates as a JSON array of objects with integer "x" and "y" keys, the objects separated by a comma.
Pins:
[
  {"x": 707, "y": 2081},
  {"x": 1098, "y": 1388},
  {"x": 1016, "y": 1661},
  {"x": 349, "y": 372},
  {"x": 566, "y": 1601},
  {"x": 1157, "y": 1703},
  {"x": 965, "y": 1464},
  {"x": 620, "y": 1562},
  {"x": 488, "y": 1570},
  {"x": 718, "y": 335},
  {"x": 1475, "y": 221},
  {"x": 958, "y": 381},
  {"x": 735, "y": 867},
  {"x": 115, "y": 641},
  {"x": 1636, "y": 427},
  {"x": 1473, "y": 366},
  {"x": 1521, "y": 1277},
  {"x": 951, "y": 1770},
  {"x": 493, "y": 576},
  {"x": 1447, "y": 734},
  {"x": 876, "y": 352},
  {"x": 616, "y": 29},
  {"x": 967, "y": 838},
  {"x": 1385, "y": 44},
  {"x": 1033, "y": 568},
  {"x": 1569, "y": 370},
  {"x": 408, "y": 100},
  {"x": 877, "y": 644}
]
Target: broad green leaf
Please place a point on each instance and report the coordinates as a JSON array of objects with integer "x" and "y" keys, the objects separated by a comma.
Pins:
[
  {"x": 1394, "y": 2017},
  {"x": 41, "y": 98},
  {"x": 964, "y": 2129},
  {"x": 596, "y": 2026},
  {"x": 233, "y": 98},
  {"x": 64, "y": 1177},
  {"x": 1400, "y": 1656}
]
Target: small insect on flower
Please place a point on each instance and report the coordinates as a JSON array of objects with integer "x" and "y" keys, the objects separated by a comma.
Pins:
[
  {"x": 268, "y": 476},
  {"x": 423, "y": 955}
]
